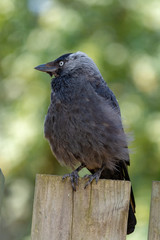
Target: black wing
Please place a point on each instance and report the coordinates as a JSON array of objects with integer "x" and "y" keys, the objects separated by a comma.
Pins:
[{"x": 104, "y": 91}]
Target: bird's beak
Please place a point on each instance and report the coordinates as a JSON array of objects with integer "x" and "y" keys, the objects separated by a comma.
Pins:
[{"x": 49, "y": 68}]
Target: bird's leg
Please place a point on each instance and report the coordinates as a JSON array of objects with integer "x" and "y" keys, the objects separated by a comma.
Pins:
[
  {"x": 74, "y": 176},
  {"x": 93, "y": 176}
]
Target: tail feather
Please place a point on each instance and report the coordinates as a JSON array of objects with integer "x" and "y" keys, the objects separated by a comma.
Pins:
[
  {"x": 132, "y": 206},
  {"x": 126, "y": 177}
]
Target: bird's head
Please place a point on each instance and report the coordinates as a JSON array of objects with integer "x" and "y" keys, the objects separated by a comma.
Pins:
[{"x": 68, "y": 64}]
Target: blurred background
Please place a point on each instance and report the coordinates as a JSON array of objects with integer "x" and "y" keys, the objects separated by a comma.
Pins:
[{"x": 123, "y": 38}]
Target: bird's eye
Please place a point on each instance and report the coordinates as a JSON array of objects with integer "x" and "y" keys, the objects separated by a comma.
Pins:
[{"x": 61, "y": 63}]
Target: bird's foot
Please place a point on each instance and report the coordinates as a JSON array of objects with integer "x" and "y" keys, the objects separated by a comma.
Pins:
[
  {"x": 93, "y": 176},
  {"x": 73, "y": 178}
]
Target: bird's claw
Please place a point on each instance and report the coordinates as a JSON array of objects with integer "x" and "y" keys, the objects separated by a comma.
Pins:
[
  {"x": 73, "y": 178},
  {"x": 91, "y": 177}
]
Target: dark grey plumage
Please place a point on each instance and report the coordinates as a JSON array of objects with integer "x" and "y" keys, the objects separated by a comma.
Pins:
[{"x": 83, "y": 124}]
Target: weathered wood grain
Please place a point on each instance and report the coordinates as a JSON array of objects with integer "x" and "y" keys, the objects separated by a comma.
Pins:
[
  {"x": 154, "y": 223},
  {"x": 98, "y": 212}
]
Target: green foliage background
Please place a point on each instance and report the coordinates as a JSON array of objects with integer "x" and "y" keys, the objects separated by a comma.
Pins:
[{"x": 123, "y": 38}]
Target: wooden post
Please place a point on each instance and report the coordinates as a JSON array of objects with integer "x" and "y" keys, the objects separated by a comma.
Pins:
[
  {"x": 98, "y": 212},
  {"x": 1, "y": 187},
  {"x": 154, "y": 222}
]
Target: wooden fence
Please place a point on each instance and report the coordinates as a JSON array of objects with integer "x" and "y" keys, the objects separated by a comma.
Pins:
[
  {"x": 154, "y": 222},
  {"x": 99, "y": 212},
  {"x": 1, "y": 187}
]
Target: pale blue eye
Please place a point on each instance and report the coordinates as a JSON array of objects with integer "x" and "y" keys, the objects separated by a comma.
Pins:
[{"x": 61, "y": 63}]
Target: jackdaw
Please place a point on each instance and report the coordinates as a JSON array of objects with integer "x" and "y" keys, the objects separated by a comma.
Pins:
[{"x": 83, "y": 124}]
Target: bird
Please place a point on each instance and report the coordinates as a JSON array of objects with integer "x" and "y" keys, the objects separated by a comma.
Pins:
[{"x": 83, "y": 124}]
